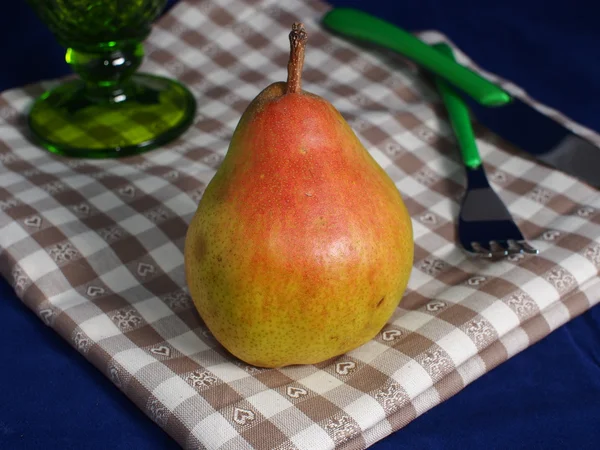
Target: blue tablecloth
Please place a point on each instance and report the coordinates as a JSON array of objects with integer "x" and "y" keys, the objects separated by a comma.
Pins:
[{"x": 546, "y": 397}]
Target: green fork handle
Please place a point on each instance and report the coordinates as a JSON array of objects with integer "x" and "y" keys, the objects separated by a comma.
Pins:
[
  {"x": 459, "y": 116},
  {"x": 360, "y": 25}
]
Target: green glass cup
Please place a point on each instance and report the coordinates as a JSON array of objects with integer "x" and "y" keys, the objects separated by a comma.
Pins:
[{"x": 109, "y": 110}]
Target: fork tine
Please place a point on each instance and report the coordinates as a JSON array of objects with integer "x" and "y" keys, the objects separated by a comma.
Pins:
[
  {"x": 481, "y": 250},
  {"x": 528, "y": 248},
  {"x": 514, "y": 247},
  {"x": 497, "y": 249}
]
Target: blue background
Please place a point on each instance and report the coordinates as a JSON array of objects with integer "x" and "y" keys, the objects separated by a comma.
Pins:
[{"x": 546, "y": 397}]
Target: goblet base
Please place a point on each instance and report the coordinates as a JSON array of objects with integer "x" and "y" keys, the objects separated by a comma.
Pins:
[{"x": 78, "y": 120}]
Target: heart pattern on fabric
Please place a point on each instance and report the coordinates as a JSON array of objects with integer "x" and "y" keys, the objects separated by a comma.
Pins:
[
  {"x": 161, "y": 350},
  {"x": 144, "y": 269},
  {"x": 390, "y": 335},
  {"x": 344, "y": 368},
  {"x": 295, "y": 392},
  {"x": 33, "y": 221},
  {"x": 243, "y": 416},
  {"x": 436, "y": 306}
]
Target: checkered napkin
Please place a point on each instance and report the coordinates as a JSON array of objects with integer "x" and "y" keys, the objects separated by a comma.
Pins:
[{"x": 95, "y": 247}]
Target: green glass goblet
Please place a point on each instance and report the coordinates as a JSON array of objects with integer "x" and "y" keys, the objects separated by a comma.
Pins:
[{"x": 109, "y": 110}]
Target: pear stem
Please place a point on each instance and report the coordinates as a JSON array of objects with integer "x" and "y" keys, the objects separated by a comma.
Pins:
[{"x": 298, "y": 39}]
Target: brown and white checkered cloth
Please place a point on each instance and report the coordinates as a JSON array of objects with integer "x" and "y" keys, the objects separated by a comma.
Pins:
[{"x": 95, "y": 247}]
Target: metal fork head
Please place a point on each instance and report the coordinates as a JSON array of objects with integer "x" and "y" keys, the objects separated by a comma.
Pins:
[
  {"x": 485, "y": 226},
  {"x": 500, "y": 249}
]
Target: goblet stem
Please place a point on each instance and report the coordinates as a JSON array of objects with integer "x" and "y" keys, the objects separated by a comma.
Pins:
[{"x": 106, "y": 70}]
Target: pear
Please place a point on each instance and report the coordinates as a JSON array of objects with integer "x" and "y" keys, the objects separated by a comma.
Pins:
[{"x": 301, "y": 247}]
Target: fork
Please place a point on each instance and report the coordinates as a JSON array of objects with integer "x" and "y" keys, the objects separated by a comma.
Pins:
[{"x": 485, "y": 227}]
